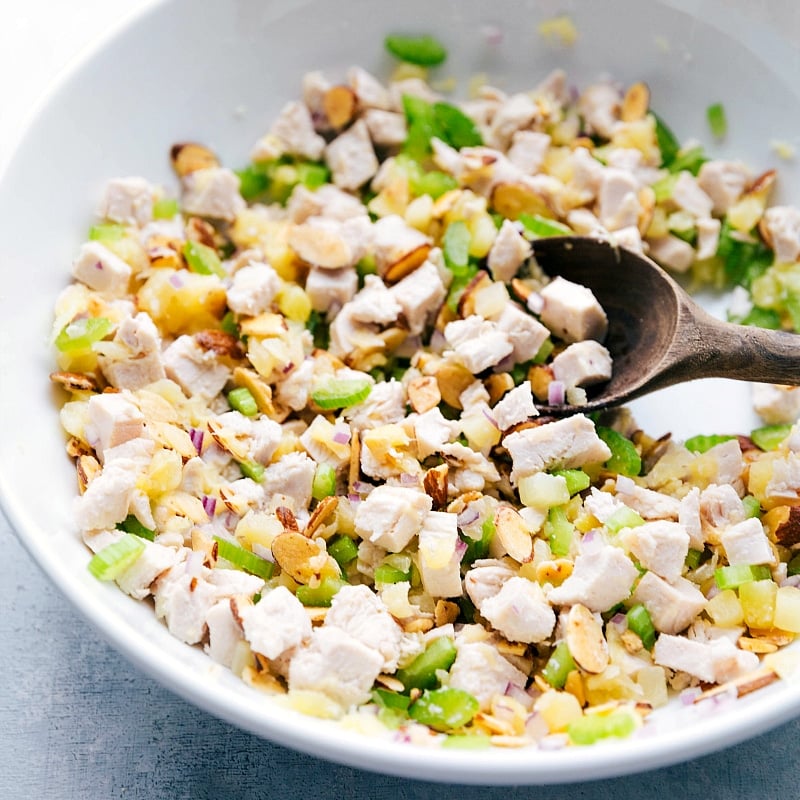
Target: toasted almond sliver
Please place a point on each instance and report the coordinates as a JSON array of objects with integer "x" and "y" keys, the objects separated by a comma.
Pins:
[
  {"x": 228, "y": 441},
  {"x": 513, "y": 199},
  {"x": 756, "y": 645},
  {"x": 407, "y": 264},
  {"x": 220, "y": 342},
  {"x": 339, "y": 104},
  {"x": 495, "y": 725},
  {"x": 355, "y": 460},
  {"x": 511, "y": 648},
  {"x": 445, "y": 612},
  {"x": 423, "y": 393},
  {"x": 742, "y": 686},
  {"x": 202, "y": 231},
  {"x": 266, "y": 324},
  {"x": 635, "y": 103},
  {"x": 466, "y": 303},
  {"x": 316, "y": 614},
  {"x": 773, "y": 635},
  {"x": 554, "y": 572},
  {"x": 452, "y": 379},
  {"x": 497, "y": 385},
  {"x": 296, "y": 555},
  {"x": 287, "y": 518},
  {"x": 510, "y": 741},
  {"x": 417, "y": 625},
  {"x": 390, "y": 682},
  {"x": 585, "y": 640},
  {"x": 88, "y": 468},
  {"x": 75, "y": 448},
  {"x": 513, "y": 534},
  {"x": 322, "y": 514},
  {"x": 188, "y": 157},
  {"x": 74, "y": 381},
  {"x": 435, "y": 484}
]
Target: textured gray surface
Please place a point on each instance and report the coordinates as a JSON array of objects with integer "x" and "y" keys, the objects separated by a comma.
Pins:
[{"x": 77, "y": 722}]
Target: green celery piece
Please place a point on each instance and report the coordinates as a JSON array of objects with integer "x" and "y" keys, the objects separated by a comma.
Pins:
[
  {"x": 743, "y": 262},
  {"x": 320, "y": 596},
  {"x": 425, "y": 51},
  {"x": 455, "y": 247},
  {"x": 591, "y": 728},
  {"x": 318, "y": 328},
  {"x": 543, "y": 353},
  {"x": 769, "y": 437},
  {"x": 693, "y": 558},
  {"x": 519, "y": 372},
  {"x": 734, "y": 576},
  {"x": 467, "y": 741},
  {"x": 793, "y": 567},
  {"x": 82, "y": 333},
  {"x": 421, "y": 672},
  {"x": 132, "y": 525},
  {"x": 577, "y": 480},
  {"x": 664, "y": 188},
  {"x": 386, "y": 573},
  {"x": 625, "y": 458},
  {"x": 106, "y": 232},
  {"x": 252, "y": 470},
  {"x": 478, "y": 548},
  {"x": 388, "y": 699},
  {"x": 244, "y": 559},
  {"x": 558, "y": 666},
  {"x": 641, "y": 624},
  {"x": 623, "y": 518},
  {"x": 458, "y": 130},
  {"x": 538, "y": 227},
  {"x": 444, "y": 709},
  {"x": 165, "y": 208},
  {"x": 704, "y": 442},
  {"x": 343, "y": 550},
  {"x": 668, "y": 143},
  {"x": 229, "y": 325},
  {"x": 422, "y": 127},
  {"x": 241, "y": 399},
  {"x": 110, "y": 562},
  {"x": 253, "y": 182},
  {"x": 689, "y": 235},
  {"x": 324, "y": 482},
  {"x": 341, "y": 392},
  {"x": 752, "y": 506},
  {"x": 717, "y": 121},
  {"x": 313, "y": 174},
  {"x": 689, "y": 161},
  {"x": 202, "y": 259},
  {"x": 434, "y": 183},
  {"x": 559, "y": 531}
]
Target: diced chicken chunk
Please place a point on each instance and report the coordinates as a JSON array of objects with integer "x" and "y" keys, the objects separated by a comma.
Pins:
[
  {"x": 599, "y": 581},
  {"x": 582, "y": 364},
  {"x": 277, "y": 623},
  {"x": 155, "y": 560},
  {"x": 478, "y": 343},
  {"x": 331, "y": 243},
  {"x": 515, "y": 407},
  {"x": 253, "y": 289},
  {"x": 386, "y": 404},
  {"x": 183, "y": 601},
  {"x": 432, "y": 431},
  {"x": 386, "y": 128},
  {"x": 618, "y": 203},
  {"x": 721, "y": 506},
  {"x": 375, "y": 303},
  {"x": 363, "y": 615},
  {"x": 351, "y": 158},
  {"x": 394, "y": 240},
  {"x": 775, "y": 404},
  {"x": 520, "y": 611},
  {"x": 563, "y": 444},
  {"x": 660, "y": 546},
  {"x": 328, "y": 201},
  {"x": 524, "y": 331},
  {"x": 508, "y": 253},
  {"x": 292, "y": 476},
  {"x": 672, "y": 606},
  {"x": 143, "y": 366},
  {"x": 212, "y": 192},
  {"x": 336, "y": 664},
  {"x": 371, "y": 93},
  {"x": 480, "y": 670},
  {"x": 439, "y": 555},
  {"x": 708, "y": 231},
  {"x": 746, "y": 543},
  {"x": 688, "y": 195},
  {"x": 113, "y": 420},
  {"x": 331, "y": 288},
  {"x": 716, "y": 661},
  {"x": 572, "y": 312},
  {"x": 672, "y": 252},
  {"x": 724, "y": 182},
  {"x": 485, "y": 579},
  {"x": 528, "y": 149},
  {"x": 391, "y": 516},
  {"x": 419, "y": 295},
  {"x": 513, "y": 114},
  {"x": 689, "y": 518},
  {"x": 198, "y": 372},
  {"x": 224, "y": 633},
  {"x": 101, "y": 270},
  {"x": 650, "y": 504},
  {"x": 783, "y": 227},
  {"x": 294, "y": 128},
  {"x": 128, "y": 201},
  {"x": 600, "y": 105}
]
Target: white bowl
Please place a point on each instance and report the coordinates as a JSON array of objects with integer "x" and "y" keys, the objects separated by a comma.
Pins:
[{"x": 219, "y": 75}]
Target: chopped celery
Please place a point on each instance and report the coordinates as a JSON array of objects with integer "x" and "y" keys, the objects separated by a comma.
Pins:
[
  {"x": 537, "y": 227},
  {"x": 693, "y": 558},
  {"x": 793, "y": 567},
  {"x": 110, "y": 562},
  {"x": 386, "y": 573},
  {"x": 558, "y": 666},
  {"x": 202, "y": 259},
  {"x": 457, "y": 129},
  {"x": 242, "y": 400},
  {"x": 519, "y": 372},
  {"x": 445, "y": 709},
  {"x": 244, "y": 559},
  {"x": 625, "y": 458},
  {"x": 421, "y": 672},
  {"x": 623, "y": 518},
  {"x": 320, "y": 596},
  {"x": 82, "y": 333},
  {"x": 640, "y": 623},
  {"x": 341, "y": 392},
  {"x": 689, "y": 160},
  {"x": 422, "y": 127},
  {"x": 343, "y": 550},
  {"x": 752, "y": 506},
  {"x": 465, "y": 741},
  {"x": 455, "y": 247},
  {"x": 770, "y": 436},
  {"x": 717, "y": 121},
  {"x": 253, "y": 182},
  {"x": 577, "y": 480},
  {"x": 313, "y": 174},
  {"x": 703, "y": 442},
  {"x": 106, "y": 232},
  {"x": 543, "y": 353},
  {"x": 132, "y": 525},
  {"x": 324, "y": 483},
  {"x": 743, "y": 261},
  {"x": 664, "y": 187},
  {"x": 425, "y": 51},
  {"x": 558, "y": 530},
  {"x": 318, "y": 329},
  {"x": 668, "y": 143},
  {"x": 479, "y": 548},
  {"x": 458, "y": 284},
  {"x": 165, "y": 208},
  {"x": 229, "y": 325},
  {"x": 734, "y": 576},
  {"x": 434, "y": 183},
  {"x": 253, "y": 470},
  {"x": 591, "y": 728},
  {"x": 388, "y": 699}
]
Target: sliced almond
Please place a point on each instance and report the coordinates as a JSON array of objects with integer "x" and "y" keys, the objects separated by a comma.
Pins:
[
  {"x": 763, "y": 184},
  {"x": 188, "y": 157},
  {"x": 339, "y": 104},
  {"x": 323, "y": 514},
  {"x": 445, "y": 612},
  {"x": 162, "y": 257},
  {"x": 773, "y": 635},
  {"x": 466, "y": 303},
  {"x": 494, "y": 724},
  {"x": 647, "y": 209},
  {"x": 423, "y": 393},
  {"x": 510, "y": 741},
  {"x": 756, "y": 645},
  {"x": 521, "y": 289},
  {"x": 354, "y": 472},
  {"x": 264, "y": 325},
  {"x": 220, "y": 342},
  {"x": 75, "y": 447},
  {"x": 497, "y": 385},
  {"x": 298, "y": 556},
  {"x": 435, "y": 484},
  {"x": 635, "y": 103},
  {"x": 406, "y": 264},
  {"x": 228, "y": 441},
  {"x": 316, "y": 614},
  {"x": 513, "y": 534},
  {"x": 393, "y": 337},
  {"x": 390, "y": 682},
  {"x": 417, "y": 625},
  {"x": 320, "y": 246},
  {"x": 582, "y": 141},
  {"x": 201, "y": 231},
  {"x": 74, "y": 381},
  {"x": 511, "y": 648},
  {"x": 631, "y": 642},
  {"x": 783, "y": 525},
  {"x": 554, "y": 572},
  {"x": 287, "y": 518},
  {"x": 741, "y": 686},
  {"x": 513, "y": 199},
  {"x": 452, "y": 379},
  {"x": 585, "y": 640},
  {"x": 88, "y": 468}
]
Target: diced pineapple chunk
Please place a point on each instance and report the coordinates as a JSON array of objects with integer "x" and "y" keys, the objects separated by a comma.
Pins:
[
  {"x": 294, "y": 303},
  {"x": 542, "y": 490},
  {"x": 758, "y": 603},
  {"x": 183, "y": 302},
  {"x": 558, "y": 709},
  {"x": 314, "y": 704},
  {"x": 787, "y": 609},
  {"x": 255, "y": 527},
  {"x": 725, "y": 609},
  {"x": 480, "y": 432},
  {"x": 163, "y": 474}
]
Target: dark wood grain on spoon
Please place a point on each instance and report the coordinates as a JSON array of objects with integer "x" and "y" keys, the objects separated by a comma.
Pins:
[{"x": 657, "y": 335}]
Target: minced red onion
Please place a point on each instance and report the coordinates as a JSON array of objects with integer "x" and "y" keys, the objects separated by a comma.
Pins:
[
  {"x": 98, "y": 265},
  {"x": 407, "y": 479},
  {"x": 535, "y": 303},
  {"x": 556, "y": 392},
  {"x": 362, "y": 487},
  {"x": 688, "y": 696},
  {"x": 461, "y": 548},
  {"x": 354, "y": 498},
  {"x": 791, "y": 580},
  {"x": 176, "y": 280},
  {"x": 197, "y": 437},
  {"x": 341, "y": 437},
  {"x": 467, "y": 517},
  {"x": 490, "y": 418},
  {"x": 506, "y": 365},
  {"x": 209, "y": 505},
  {"x": 518, "y": 693},
  {"x": 288, "y": 368}
]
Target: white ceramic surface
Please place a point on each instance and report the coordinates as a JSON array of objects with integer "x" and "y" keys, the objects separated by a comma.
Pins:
[{"x": 219, "y": 76}]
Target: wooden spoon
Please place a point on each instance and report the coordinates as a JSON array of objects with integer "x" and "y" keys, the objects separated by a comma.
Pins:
[{"x": 657, "y": 335}]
